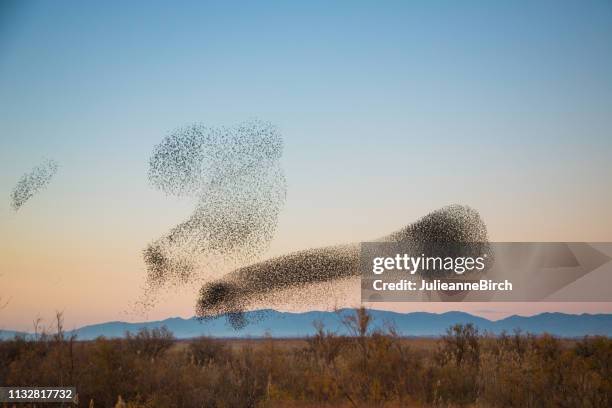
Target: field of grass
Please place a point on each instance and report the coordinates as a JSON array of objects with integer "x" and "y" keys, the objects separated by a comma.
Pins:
[{"x": 367, "y": 369}]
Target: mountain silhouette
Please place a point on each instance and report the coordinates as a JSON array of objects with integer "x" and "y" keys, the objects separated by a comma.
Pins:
[{"x": 286, "y": 324}]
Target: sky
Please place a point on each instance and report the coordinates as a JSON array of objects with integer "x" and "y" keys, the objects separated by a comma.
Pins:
[{"x": 388, "y": 111}]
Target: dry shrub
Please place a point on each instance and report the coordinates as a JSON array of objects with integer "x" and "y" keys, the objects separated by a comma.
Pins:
[
  {"x": 367, "y": 369},
  {"x": 151, "y": 343}
]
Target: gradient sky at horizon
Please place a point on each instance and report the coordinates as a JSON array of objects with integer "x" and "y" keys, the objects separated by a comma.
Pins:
[{"x": 388, "y": 111}]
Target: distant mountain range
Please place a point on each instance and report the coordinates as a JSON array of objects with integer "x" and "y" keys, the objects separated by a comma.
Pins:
[{"x": 285, "y": 324}]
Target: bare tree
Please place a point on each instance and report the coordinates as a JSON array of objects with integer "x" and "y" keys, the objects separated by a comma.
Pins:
[
  {"x": 37, "y": 323},
  {"x": 358, "y": 325}
]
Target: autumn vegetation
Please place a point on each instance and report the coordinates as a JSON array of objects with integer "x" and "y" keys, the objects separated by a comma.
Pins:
[{"x": 368, "y": 368}]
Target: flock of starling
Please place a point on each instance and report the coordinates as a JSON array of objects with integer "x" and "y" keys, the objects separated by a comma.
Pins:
[{"x": 235, "y": 176}]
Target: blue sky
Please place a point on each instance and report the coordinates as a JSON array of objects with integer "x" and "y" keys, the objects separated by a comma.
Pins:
[{"x": 388, "y": 110}]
